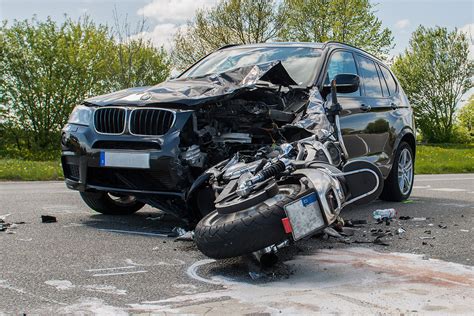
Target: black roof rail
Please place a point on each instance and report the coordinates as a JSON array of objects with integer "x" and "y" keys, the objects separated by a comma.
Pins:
[
  {"x": 227, "y": 46},
  {"x": 344, "y": 44}
]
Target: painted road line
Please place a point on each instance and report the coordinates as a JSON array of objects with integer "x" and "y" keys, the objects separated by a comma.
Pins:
[
  {"x": 442, "y": 179},
  {"x": 421, "y": 186},
  {"x": 107, "y": 269},
  {"x": 118, "y": 273},
  {"x": 133, "y": 232},
  {"x": 192, "y": 271},
  {"x": 448, "y": 190}
]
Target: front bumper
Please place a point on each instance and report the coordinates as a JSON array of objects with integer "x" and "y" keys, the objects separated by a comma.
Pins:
[{"x": 81, "y": 149}]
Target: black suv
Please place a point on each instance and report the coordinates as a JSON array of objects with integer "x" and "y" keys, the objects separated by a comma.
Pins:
[{"x": 149, "y": 145}]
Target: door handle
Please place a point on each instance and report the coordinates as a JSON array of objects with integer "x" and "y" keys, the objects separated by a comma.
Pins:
[
  {"x": 365, "y": 107},
  {"x": 394, "y": 106}
]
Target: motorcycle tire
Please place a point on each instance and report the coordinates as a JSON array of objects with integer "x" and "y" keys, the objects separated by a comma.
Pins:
[{"x": 222, "y": 236}]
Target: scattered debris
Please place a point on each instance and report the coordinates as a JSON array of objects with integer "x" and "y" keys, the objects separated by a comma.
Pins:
[
  {"x": 427, "y": 232},
  {"x": 418, "y": 219},
  {"x": 427, "y": 237},
  {"x": 333, "y": 233},
  {"x": 401, "y": 231},
  {"x": 355, "y": 222},
  {"x": 187, "y": 236},
  {"x": 48, "y": 219},
  {"x": 177, "y": 231},
  {"x": 380, "y": 215},
  {"x": 443, "y": 226},
  {"x": 408, "y": 202},
  {"x": 255, "y": 275},
  {"x": 404, "y": 218},
  {"x": 465, "y": 230}
]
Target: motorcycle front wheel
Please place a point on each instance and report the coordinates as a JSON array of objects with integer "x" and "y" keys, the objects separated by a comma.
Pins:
[{"x": 242, "y": 232}]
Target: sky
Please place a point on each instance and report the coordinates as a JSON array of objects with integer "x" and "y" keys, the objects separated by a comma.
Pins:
[{"x": 165, "y": 17}]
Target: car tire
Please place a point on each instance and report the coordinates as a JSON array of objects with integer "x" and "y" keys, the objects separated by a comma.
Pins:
[
  {"x": 222, "y": 236},
  {"x": 111, "y": 204},
  {"x": 399, "y": 184}
]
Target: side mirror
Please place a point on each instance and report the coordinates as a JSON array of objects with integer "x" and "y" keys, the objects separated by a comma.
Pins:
[{"x": 347, "y": 83}]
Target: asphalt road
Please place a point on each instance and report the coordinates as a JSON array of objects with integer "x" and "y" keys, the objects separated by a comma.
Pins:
[{"x": 90, "y": 263}]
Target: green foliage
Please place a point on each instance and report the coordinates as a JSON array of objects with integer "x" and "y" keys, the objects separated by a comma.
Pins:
[
  {"x": 48, "y": 68},
  {"x": 25, "y": 170},
  {"x": 466, "y": 116},
  {"x": 229, "y": 22},
  {"x": 444, "y": 158},
  {"x": 435, "y": 72},
  {"x": 349, "y": 21}
]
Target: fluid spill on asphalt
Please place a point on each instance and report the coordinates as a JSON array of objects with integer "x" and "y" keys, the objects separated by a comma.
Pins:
[{"x": 354, "y": 280}]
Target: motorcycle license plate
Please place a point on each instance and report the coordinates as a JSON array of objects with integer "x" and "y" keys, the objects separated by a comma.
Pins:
[
  {"x": 125, "y": 160},
  {"x": 305, "y": 216}
]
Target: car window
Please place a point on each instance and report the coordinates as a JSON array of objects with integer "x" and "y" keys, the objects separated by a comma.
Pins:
[
  {"x": 382, "y": 81},
  {"x": 392, "y": 86},
  {"x": 341, "y": 63},
  {"x": 370, "y": 78},
  {"x": 299, "y": 62}
]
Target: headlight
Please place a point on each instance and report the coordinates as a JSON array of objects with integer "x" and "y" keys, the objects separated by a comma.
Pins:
[{"x": 81, "y": 115}]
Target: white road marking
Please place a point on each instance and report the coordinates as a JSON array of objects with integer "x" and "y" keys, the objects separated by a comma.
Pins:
[
  {"x": 448, "y": 190},
  {"x": 118, "y": 273},
  {"x": 105, "y": 269},
  {"x": 132, "y": 232},
  {"x": 421, "y": 186},
  {"x": 442, "y": 179},
  {"x": 60, "y": 284},
  {"x": 192, "y": 271},
  {"x": 5, "y": 285}
]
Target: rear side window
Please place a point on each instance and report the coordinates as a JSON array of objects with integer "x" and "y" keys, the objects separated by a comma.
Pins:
[
  {"x": 341, "y": 63},
  {"x": 370, "y": 77},
  {"x": 392, "y": 86},
  {"x": 382, "y": 81}
]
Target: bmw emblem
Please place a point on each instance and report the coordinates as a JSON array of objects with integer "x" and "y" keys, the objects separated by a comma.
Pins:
[{"x": 145, "y": 97}]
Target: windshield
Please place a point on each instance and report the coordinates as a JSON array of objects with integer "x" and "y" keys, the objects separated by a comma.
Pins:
[{"x": 299, "y": 62}]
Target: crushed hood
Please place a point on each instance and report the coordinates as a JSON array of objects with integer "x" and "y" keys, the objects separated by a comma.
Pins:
[{"x": 199, "y": 90}]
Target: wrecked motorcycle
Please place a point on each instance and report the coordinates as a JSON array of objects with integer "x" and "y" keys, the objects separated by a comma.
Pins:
[{"x": 286, "y": 192}]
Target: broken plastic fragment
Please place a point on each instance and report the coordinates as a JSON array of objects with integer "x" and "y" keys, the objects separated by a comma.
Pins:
[
  {"x": 187, "y": 236},
  {"x": 255, "y": 275},
  {"x": 48, "y": 219},
  {"x": 384, "y": 214}
]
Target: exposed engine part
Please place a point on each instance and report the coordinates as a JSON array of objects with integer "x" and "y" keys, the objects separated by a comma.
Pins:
[
  {"x": 247, "y": 184},
  {"x": 194, "y": 157},
  {"x": 242, "y": 138}
]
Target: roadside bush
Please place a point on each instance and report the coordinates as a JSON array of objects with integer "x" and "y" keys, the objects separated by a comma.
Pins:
[{"x": 48, "y": 68}]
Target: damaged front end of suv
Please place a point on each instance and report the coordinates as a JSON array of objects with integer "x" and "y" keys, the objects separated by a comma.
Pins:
[{"x": 149, "y": 145}]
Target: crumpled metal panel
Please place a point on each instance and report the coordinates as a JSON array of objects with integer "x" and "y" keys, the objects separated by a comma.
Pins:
[
  {"x": 199, "y": 90},
  {"x": 315, "y": 119}
]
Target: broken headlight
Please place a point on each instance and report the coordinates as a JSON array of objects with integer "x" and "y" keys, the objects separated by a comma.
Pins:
[{"x": 81, "y": 115}]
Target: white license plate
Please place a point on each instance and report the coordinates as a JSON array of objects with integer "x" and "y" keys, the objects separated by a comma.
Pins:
[
  {"x": 305, "y": 216},
  {"x": 125, "y": 160}
]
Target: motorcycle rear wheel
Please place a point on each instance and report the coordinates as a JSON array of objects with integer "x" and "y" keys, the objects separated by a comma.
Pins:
[{"x": 222, "y": 236}]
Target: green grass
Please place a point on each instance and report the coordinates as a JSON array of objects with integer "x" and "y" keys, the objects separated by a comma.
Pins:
[
  {"x": 27, "y": 170},
  {"x": 444, "y": 158}
]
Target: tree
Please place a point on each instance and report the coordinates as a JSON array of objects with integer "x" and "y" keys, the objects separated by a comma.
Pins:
[
  {"x": 48, "y": 68},
  {"x": 229, "y": 22},
  {"x": 466, "y": 115},
  {"x": 435, "y": 72},
  {"x": 137, "y": 61},
  {"x": 350, "y": 21}
]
